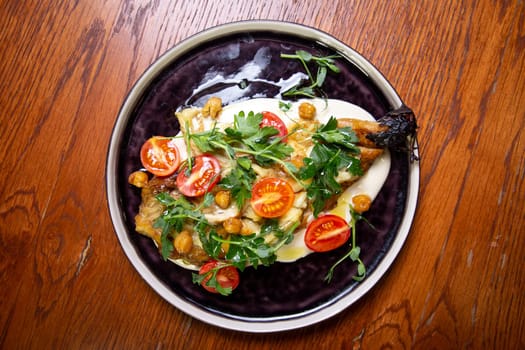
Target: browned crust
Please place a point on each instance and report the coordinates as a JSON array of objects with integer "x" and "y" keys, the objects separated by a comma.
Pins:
[
  {"x": 368, "y": 155},
  {"x": 362, "y": 128}
]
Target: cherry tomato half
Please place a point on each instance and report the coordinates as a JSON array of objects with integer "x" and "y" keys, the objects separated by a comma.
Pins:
[
  {"x": 227, "y": 276},
  {"x": 326, "y": 233},
  {"x": 272, "y": 197},
  {"x": 160, "y": 156},
  {"x": 205, "y": 173},
  {"x": 270, "y": 119}
]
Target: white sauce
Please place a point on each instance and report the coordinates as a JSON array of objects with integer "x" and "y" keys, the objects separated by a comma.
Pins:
[{"x": 369, "y": 184}]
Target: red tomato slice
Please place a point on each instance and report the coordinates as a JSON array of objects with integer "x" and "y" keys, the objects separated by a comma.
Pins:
[
  {"x": 205, "y": 173},
  {"x": 270, "y": 119},
  {"x": 272, "y": 197},
  {"x": 160, "y": 156},
  {"x": 326, "y": 233},
  {"x": 227, "y": 276}
]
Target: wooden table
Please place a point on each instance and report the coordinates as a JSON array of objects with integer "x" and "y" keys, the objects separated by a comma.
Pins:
[{"x": 66, "y": 68}]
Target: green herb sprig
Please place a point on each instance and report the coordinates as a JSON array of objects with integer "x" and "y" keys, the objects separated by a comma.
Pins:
[
  {"x": 324, "y": 65},
  {"x": 248, "y": 138},
  {"x": 179, "y": 211},
  {"x": 334, "y": 151},
  {"x": 239, "y": 181}
]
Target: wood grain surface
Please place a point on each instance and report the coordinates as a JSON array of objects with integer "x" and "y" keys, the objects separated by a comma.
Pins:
[{"x": 65, "y": 69}]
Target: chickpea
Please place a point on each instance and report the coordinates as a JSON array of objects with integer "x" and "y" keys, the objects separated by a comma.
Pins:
[
  {"x": 307, "y": 111},
  {"x": 183, "y": 242},
  {"x": 138, "y": 179},
  {"x": 232, "y": 225},
  {"x": 361, "y": 203},
  {"x": 212, "y": 107},
  {"x": 223, "y": 199},
  {"x": 246, "y": 231},
  {"x": 225, "y": 246}
]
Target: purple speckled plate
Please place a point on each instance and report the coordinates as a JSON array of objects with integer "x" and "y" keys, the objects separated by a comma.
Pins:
[{"x": 237, "y": 61}]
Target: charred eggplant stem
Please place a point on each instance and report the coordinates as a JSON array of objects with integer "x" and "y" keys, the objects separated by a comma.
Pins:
[{"x": 401, "y": 132}]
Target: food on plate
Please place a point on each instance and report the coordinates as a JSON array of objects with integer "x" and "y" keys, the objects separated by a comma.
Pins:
[
  {"x": 327, "y": 232},
  {"x": 263, "y": 181},
  {"x": 200, "y": 176},
  {"x": 160, "y": 156},
  {"x": 217, "y": 277},
  {"x": 272, "y": 197}
]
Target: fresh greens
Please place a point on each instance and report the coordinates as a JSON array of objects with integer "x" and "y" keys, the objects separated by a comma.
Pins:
[
  {"x": 334, "y": 151},
  {"x": 239, "y": 181},
  {"x": 254, "y": 249},
  {"x": 211, "y": 279},
  {"x": 177, "y": 212},
  {"x": 285, "y": 106},
  {"x": 246, "y": 136},
  {"x": 324, "y": 65}
]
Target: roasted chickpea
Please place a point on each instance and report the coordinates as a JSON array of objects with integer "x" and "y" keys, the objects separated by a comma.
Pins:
[
  {"x": 212, "y": 107},
  {"x": 232, "y": 225},
  {"x": 307, "y": 111},
  {"x": 225, "y": 246},
  {"x": 223, "y": 199},
  {"x": 246, "y": 231},
  {"x": 138, "y": 179},
  {"x": 183, "y": 242},
  {"x": 361, "y": 203}
]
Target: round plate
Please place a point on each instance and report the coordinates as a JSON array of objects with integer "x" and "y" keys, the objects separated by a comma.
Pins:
[{"x": 238, "y": 61}]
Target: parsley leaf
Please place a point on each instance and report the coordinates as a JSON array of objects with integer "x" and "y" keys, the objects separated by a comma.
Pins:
[
  {"x": 334, "y": 151},
  {"x": 344, "y": 137},
  {"x": 239, "y": 181},
  {"x": 178, "y": 212},
  {"x": 245, "y": 125},
  {"x": 246, "y": 136},
  {"x": 212, "y": 140}
]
